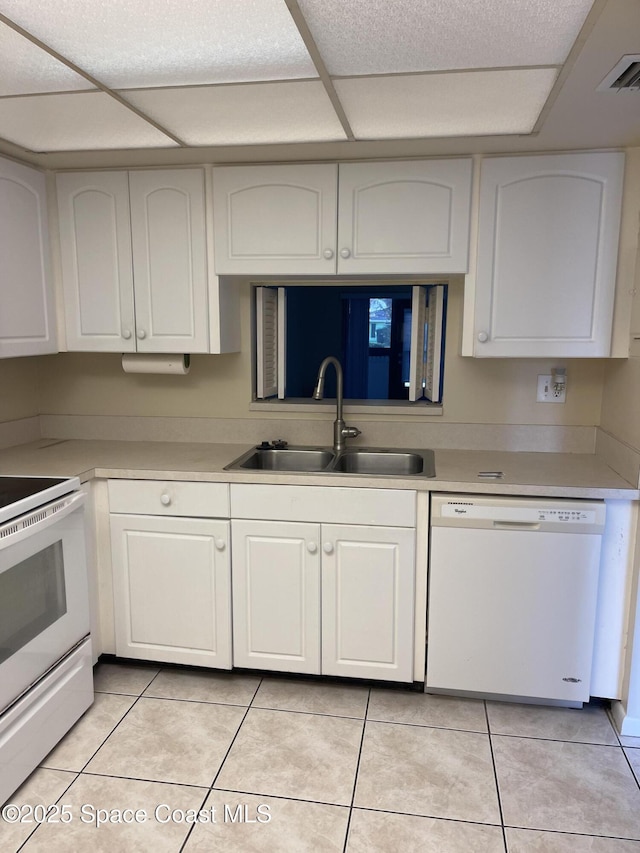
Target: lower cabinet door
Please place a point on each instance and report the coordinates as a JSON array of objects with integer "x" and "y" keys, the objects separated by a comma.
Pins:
[
  {"x": 276, "y": 595},
  {"x": 368, "y": 602},
  {"x": 172, "y": 594}
]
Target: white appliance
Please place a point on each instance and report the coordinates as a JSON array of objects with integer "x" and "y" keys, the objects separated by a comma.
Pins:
[
  {"x": 512, "y": 596},
  {"x": 46, "y": 678}
]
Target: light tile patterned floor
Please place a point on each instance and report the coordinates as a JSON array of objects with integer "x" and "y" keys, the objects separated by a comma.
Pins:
[{"x": 192, "y": 761}]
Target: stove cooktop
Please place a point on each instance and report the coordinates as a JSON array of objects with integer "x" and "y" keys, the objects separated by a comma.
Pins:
[{"x": 19, "y": 495}]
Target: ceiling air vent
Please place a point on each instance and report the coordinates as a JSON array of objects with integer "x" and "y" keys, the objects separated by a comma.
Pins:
[{"x": 625, "y": 77}]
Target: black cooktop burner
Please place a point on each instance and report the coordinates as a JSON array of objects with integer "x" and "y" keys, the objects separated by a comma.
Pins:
[{"x": 13, "y": 489}]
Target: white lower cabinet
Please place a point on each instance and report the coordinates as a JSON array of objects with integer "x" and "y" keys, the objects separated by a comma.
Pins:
[
  {"x": 323, "y": 598},
  {"x": 171, "y": 576},
  {"x": 276, "y": 595},
  {"x": 367, "y": 602}
]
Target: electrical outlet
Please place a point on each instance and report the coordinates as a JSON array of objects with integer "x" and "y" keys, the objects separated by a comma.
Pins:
[{"x": 547, "y": 392}]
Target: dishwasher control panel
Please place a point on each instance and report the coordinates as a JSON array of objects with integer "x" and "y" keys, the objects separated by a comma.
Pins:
[{"x": 517, "y": 513}]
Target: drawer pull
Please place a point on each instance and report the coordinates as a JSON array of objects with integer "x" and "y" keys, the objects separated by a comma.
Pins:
[
  {"x": 165, "y": 499},
  {"x": 312, "y": 547},
  {"x": 220, "y": 544},
  {"x": 328, "y": 547}
]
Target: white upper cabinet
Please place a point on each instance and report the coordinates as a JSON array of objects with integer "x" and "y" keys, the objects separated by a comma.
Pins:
[
  {"x": 169, "y": 260},
  {"x": 134, "y": 261},
  {"x": 27, "y": 315},
  {"x": 275, "y": 220},
  {"x": 547, "y": 251},
  {"x": 97, "y": 276},
  {"x": 409, "y": 217}
]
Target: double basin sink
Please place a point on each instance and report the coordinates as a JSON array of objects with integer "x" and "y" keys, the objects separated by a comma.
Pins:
[{"x": 352, "y": 460}]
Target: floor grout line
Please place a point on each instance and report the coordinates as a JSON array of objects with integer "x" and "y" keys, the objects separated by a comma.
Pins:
[
  {"x": 495, "y": 778},
  {"x": 355, "y": 778}
]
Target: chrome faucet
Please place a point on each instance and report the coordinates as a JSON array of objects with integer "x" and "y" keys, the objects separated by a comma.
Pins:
[{"x": 340, "y": 430}]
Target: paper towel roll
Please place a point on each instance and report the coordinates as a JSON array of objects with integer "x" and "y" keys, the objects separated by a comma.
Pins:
[{"x": 156, "y": 363}]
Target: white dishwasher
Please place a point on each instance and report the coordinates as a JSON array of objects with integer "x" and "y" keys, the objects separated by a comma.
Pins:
[{"x": 512, "y": 596}]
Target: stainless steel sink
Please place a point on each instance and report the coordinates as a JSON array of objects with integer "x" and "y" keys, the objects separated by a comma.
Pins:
[
  {"x": 353, "y": 460},
  {"x": 309, "y": 459},
  {"x": 396, "y": 462}
]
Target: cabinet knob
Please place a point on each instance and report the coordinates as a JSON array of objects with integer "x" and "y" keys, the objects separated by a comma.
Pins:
[
  {"x": 312, "y": 547},
  {"x": 165, "y": 499},
  {"x": 483, "y": 337},
  {"x": 126, "y": 334},
  {"x": 141, "y": 334},
  {"x": 328, "y": 253},
  {"x": 220, "y": 544},
  {"x": 328, "y": 547},
  {"x": 345, "y": 253}
]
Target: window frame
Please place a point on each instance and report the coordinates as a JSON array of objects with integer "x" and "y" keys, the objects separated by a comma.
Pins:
[{"x": 427, "y": 371}]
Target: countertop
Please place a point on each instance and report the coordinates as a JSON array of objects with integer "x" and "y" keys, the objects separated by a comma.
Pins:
[{"x": 572, "y": 475}]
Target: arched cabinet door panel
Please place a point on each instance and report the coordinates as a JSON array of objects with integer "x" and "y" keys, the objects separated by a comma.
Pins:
[
  {"x": 274, "y": 220},
  {"x": 408, "y": 217},
  {"x": 547, "y": 254},
  {"x": 27, "y": 316},
  {"x": 95, "y": 251},
  {"x": 169, "y": 260}
]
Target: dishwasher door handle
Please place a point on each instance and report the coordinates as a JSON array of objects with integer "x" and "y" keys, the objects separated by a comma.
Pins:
[{"x": 516, "y": 525}]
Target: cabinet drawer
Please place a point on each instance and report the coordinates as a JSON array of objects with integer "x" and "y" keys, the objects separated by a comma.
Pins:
[
  {"x": 169, "y": 497},
  {"x": 389, "y": 507}
]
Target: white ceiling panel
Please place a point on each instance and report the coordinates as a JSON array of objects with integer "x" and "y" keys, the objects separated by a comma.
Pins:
[
  {"x": 27, "y": 69},
  {"x": 393, "y": 36},
  {"x": 169, "y": 42},
  {"x": 73, "y": 122},
  {"x": 473, "y": 103},
  {"x": 243, "y": 114}
]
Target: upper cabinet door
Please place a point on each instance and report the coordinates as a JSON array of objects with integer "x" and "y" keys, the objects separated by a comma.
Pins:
[
  {"x": 95, "y": 250},
  {"x": 27, "y": 316},
  {"x": 408, "y": 217},
  {"x": 169, "y": 260},
  {"x": 547, "y": 252},
  {"x": 275, "y": 220}
]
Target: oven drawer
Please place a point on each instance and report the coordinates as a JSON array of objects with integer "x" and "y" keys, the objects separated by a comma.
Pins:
[{"x": 169, "y": 497}]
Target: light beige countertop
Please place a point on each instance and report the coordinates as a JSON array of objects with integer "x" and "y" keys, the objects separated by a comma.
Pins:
[{"x": 572, "y": 475}]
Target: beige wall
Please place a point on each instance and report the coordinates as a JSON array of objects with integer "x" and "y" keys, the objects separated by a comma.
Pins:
[
  {"x": 19, "y": 388},
  {"x": 476, "y": 390}
]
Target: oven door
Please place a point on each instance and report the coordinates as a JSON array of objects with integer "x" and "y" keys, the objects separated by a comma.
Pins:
[{"x": 44, "y": 607}]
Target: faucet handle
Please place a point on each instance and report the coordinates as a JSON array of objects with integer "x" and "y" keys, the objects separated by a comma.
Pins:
[{"x": 351, "y": 432}]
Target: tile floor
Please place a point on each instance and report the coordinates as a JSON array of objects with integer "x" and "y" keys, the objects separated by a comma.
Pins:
[{"x": 292, "y": 766}]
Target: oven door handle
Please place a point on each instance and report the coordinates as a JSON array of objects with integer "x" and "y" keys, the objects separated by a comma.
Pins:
[{"x": 39, "y": 519}]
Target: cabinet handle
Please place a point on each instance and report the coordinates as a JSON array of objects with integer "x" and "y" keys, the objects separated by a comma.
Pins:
[
  {"x": 312, "y": 547},
  {"x": 165, "y": 499},
  {"x": 483, "y": 337},
  {"x": 220, "y": 544},
  {"x": 345, "y": 253},
  {"x": 328, "y": 547},
  {"x": 126, "y": 334},
  {"x": 328, "y": 253},
  {"x": 141, "y": 334}
]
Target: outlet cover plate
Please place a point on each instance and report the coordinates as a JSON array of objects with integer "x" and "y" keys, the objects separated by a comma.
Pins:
[{"x": 546, "y": 391}]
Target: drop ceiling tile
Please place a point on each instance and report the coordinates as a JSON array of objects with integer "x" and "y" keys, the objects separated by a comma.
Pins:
[
  {"x": 170, "y": 42},
  {"x": 27, "y": 69},
  {"x": 393, "y": 36},
  {"x": 73, "y": 122},
  {"x": 473, "y": 103},
  {"x": 246, "y": 114}
]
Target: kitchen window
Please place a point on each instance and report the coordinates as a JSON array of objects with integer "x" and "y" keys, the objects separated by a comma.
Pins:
[{"x": 389, "y": 339}]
